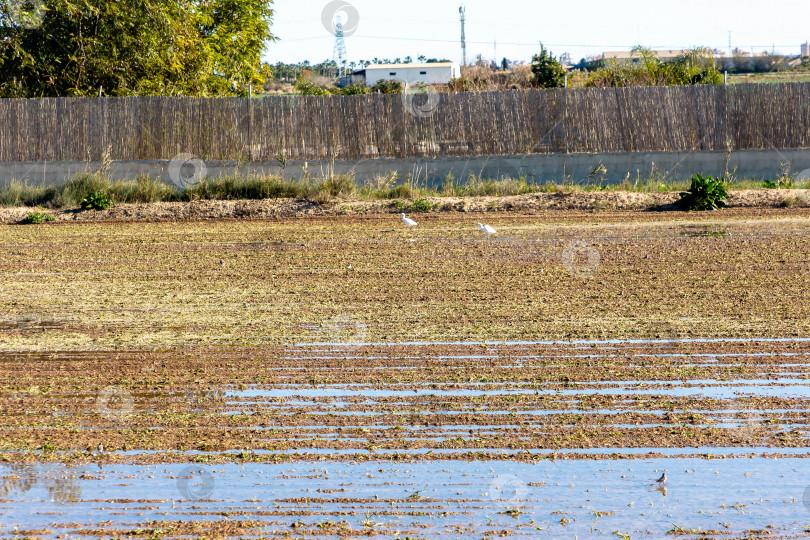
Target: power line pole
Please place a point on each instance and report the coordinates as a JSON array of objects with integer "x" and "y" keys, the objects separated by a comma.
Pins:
[{"x": 463, "y": 12}]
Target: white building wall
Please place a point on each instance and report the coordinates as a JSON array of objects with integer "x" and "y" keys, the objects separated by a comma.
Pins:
[{"x": 413, "y": 74}]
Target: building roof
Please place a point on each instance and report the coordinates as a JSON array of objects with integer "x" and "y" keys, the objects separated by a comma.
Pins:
[
  {"x": 411, "y": 66},
  {"x": 630, "y": 55}
]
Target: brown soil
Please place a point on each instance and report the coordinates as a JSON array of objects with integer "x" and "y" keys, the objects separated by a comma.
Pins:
[
  {"x": 176, "y": 314},
  {"x": 550, "y": 275},
  {"x": 61, "y": 406}
]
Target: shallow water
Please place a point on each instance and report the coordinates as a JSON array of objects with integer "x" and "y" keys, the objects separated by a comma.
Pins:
[
  {"x": 444, "y": 498},
  {"x": 503, "y": 404}
]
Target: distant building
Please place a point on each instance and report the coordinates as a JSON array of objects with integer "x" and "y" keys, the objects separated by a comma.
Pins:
[
  {"x": 629, "y": 56},
  {"x": 433, "y": 73},
  {"x": 806, "y": 49}
]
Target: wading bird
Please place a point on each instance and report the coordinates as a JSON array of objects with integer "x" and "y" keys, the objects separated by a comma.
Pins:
[
  {"x": 663, "y": 478},
  {"x": 409, "y": 222},
  {"x": 487, "y": 229}
]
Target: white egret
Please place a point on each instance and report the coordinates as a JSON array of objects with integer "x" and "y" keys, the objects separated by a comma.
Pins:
[
  {"x": 487, "y": 229},
  {"x": 409, "y": 222}
]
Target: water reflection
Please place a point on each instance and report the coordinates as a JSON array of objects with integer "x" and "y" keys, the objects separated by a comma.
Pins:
[{"x": 62, "y": 486}]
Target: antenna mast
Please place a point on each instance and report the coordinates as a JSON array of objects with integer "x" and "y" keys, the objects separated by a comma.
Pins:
[
  {"x": 463, "y": 12},
  {"x": 340, "y": 48}
]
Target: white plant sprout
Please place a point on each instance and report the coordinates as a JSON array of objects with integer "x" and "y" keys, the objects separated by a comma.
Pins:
[
  {"x": 115, "y": 403},
  {"x": 187, "y": 170},
  {"x": 576, "y": 249},
  {"x": 28, "y": 14},
  {"x": 330, "y": 13},
  {"x": 422, "y": 104},
  {"x": 346, "y": 330},
  {"x": 195, "y": 484}
]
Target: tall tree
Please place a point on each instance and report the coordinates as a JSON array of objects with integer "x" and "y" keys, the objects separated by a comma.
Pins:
[
  {"x": 547, "y": 71},
  {"x": 132, "y": 47}
]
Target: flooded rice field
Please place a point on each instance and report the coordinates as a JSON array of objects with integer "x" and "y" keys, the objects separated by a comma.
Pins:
[
  {"x": 455, "y": 499},
  {"x": 469, "y": 440},
  {"x": 578, "y": 375}
]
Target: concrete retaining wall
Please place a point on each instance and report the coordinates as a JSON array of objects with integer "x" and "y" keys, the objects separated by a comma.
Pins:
[{"x": 749, "y": 164}]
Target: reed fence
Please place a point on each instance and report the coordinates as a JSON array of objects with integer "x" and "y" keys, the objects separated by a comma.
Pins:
[{"x": 755, "y": 116}]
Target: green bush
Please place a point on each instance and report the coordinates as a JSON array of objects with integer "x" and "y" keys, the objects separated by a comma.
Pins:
[
  {"x": 387, "y": 87},
  {"x": 35, "y": 218},
  {"x": 476, "y": 187},
  {"x": 782, "y": 183},
  {"x": 402, "y": 191},
  {"x": 354, "y": 90},
  {"x": 339, "y": 186},
  {"x": 80, "y": 187},
  {"x": 646, "y": 69},
  {"x": 306, "y": 87},
  {"x": 229, "y": 188},
  {"x": 143, "y": 189},
  {"x": 705, "y": 193},
  {"x": 21, "y": 194},
  {"x": 547, "y": 72},
  {"x": 419, "y": 205},
  {"x": 96, "y": 201}
]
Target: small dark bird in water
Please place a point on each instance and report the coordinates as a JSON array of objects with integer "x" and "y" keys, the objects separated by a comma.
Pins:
[{"x": 662, "y": 479}]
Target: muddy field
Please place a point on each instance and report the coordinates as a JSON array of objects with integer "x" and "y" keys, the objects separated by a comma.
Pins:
[{"x": 345, "y": 376}]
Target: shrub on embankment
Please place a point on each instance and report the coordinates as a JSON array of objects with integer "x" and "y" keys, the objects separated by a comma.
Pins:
[{"x": 144, "y": 189}]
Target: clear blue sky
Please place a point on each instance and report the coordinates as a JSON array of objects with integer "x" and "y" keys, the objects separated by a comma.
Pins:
[{"x": 390, "y": 29}]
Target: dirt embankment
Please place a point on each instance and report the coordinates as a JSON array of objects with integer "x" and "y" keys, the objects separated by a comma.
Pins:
[{"x": 286, "y": 208}]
